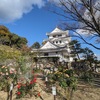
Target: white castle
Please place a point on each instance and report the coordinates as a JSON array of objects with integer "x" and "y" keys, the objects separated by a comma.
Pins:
[{"x": 57, "y": 45}]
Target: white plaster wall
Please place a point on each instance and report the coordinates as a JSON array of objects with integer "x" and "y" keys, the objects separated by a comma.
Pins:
[{"x": 50, "y": 36}]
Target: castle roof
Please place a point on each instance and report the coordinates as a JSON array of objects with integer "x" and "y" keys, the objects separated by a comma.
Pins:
[
  {"x": 49, "y": 45},
  {"x": 56, "y": 31}
]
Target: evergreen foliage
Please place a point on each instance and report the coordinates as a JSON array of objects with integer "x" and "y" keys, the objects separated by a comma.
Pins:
[{"x": 11, "y": 39}]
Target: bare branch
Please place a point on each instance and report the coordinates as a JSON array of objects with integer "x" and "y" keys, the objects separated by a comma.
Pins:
[
  {"x": 81, "y": 14},
  {"x": 80, "y": 36}
]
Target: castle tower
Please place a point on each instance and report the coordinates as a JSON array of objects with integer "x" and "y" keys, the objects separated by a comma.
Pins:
[{"x": 57, "y": 45}]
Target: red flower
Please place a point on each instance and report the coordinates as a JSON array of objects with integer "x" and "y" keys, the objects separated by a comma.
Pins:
[
  {"x": 18, "y": 86},
  {"x": 39, "y": 94},
  {"x": 34, "y": 80},
  {"x": 31, "y": 82},
  {"x": 18, "y": 93}
]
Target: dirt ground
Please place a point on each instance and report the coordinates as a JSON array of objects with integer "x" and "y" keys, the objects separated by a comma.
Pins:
[
  {"x": 82, "y": 93},
  {"x": 79, "y": 94},
  {"x": 87, "y": 93}
]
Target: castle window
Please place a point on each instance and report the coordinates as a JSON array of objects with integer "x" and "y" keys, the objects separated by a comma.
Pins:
[
  {"x": 54, "y": 35},
  {"x": 60, "y": 41},
  {"x": 45, "y": 54},
  {"x": 59, "y": 35},
  {"x": 56, "y": 41}
]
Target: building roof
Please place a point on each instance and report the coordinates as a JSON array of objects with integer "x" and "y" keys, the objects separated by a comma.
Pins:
[
  {"x": 56, "y": 31},
  {"x": 49, "y": 45}
]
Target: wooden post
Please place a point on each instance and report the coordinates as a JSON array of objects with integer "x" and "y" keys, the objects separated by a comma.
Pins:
[
  {"x": 41, "y": 98},
  {"x": 54, "y": 97}
]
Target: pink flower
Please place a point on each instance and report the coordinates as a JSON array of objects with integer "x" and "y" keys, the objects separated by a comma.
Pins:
[{"x": 11, "y": 72}]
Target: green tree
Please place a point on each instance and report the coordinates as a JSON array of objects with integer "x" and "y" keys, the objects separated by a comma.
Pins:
[
  {"x": 75, "y": 46},
  {"x": 44, "y": 42},
  {"x": 36, "y": 45},
  {"x": 25, "y": 50},
  {"x": 21, "y": 41},
  {"x": 89, "y": 55},
  {"x": 13, "y": 38},
  {"x": 4, "y": 31},
  {"x": 4, "y": 35},
  {"x": 4, "y": 40}
]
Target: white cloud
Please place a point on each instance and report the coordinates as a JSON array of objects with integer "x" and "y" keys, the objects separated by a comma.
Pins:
[
  {"x": 11, "y": 10},
  {"x": 84, "y": 32},
  {"x": 98, "y": 57}
]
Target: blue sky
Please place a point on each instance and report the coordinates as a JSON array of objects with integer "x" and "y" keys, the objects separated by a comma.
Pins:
[
  {"x": 34, "y": 25},
  {"x": 30, "y": 19}
]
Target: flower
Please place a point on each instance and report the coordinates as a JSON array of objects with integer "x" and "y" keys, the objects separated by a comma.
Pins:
[
  {"x": 3, "y": 67},
  {"x": 11, "y": 72},
  {"x": 18, "y": 86},
  {"x": 34, "y": 80},
  {"x": 6, "y": 73},
  {"x": 18, "y": 93},
  {"x": 39, "y": 94},
  {"x": 31, "y": 82}
]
